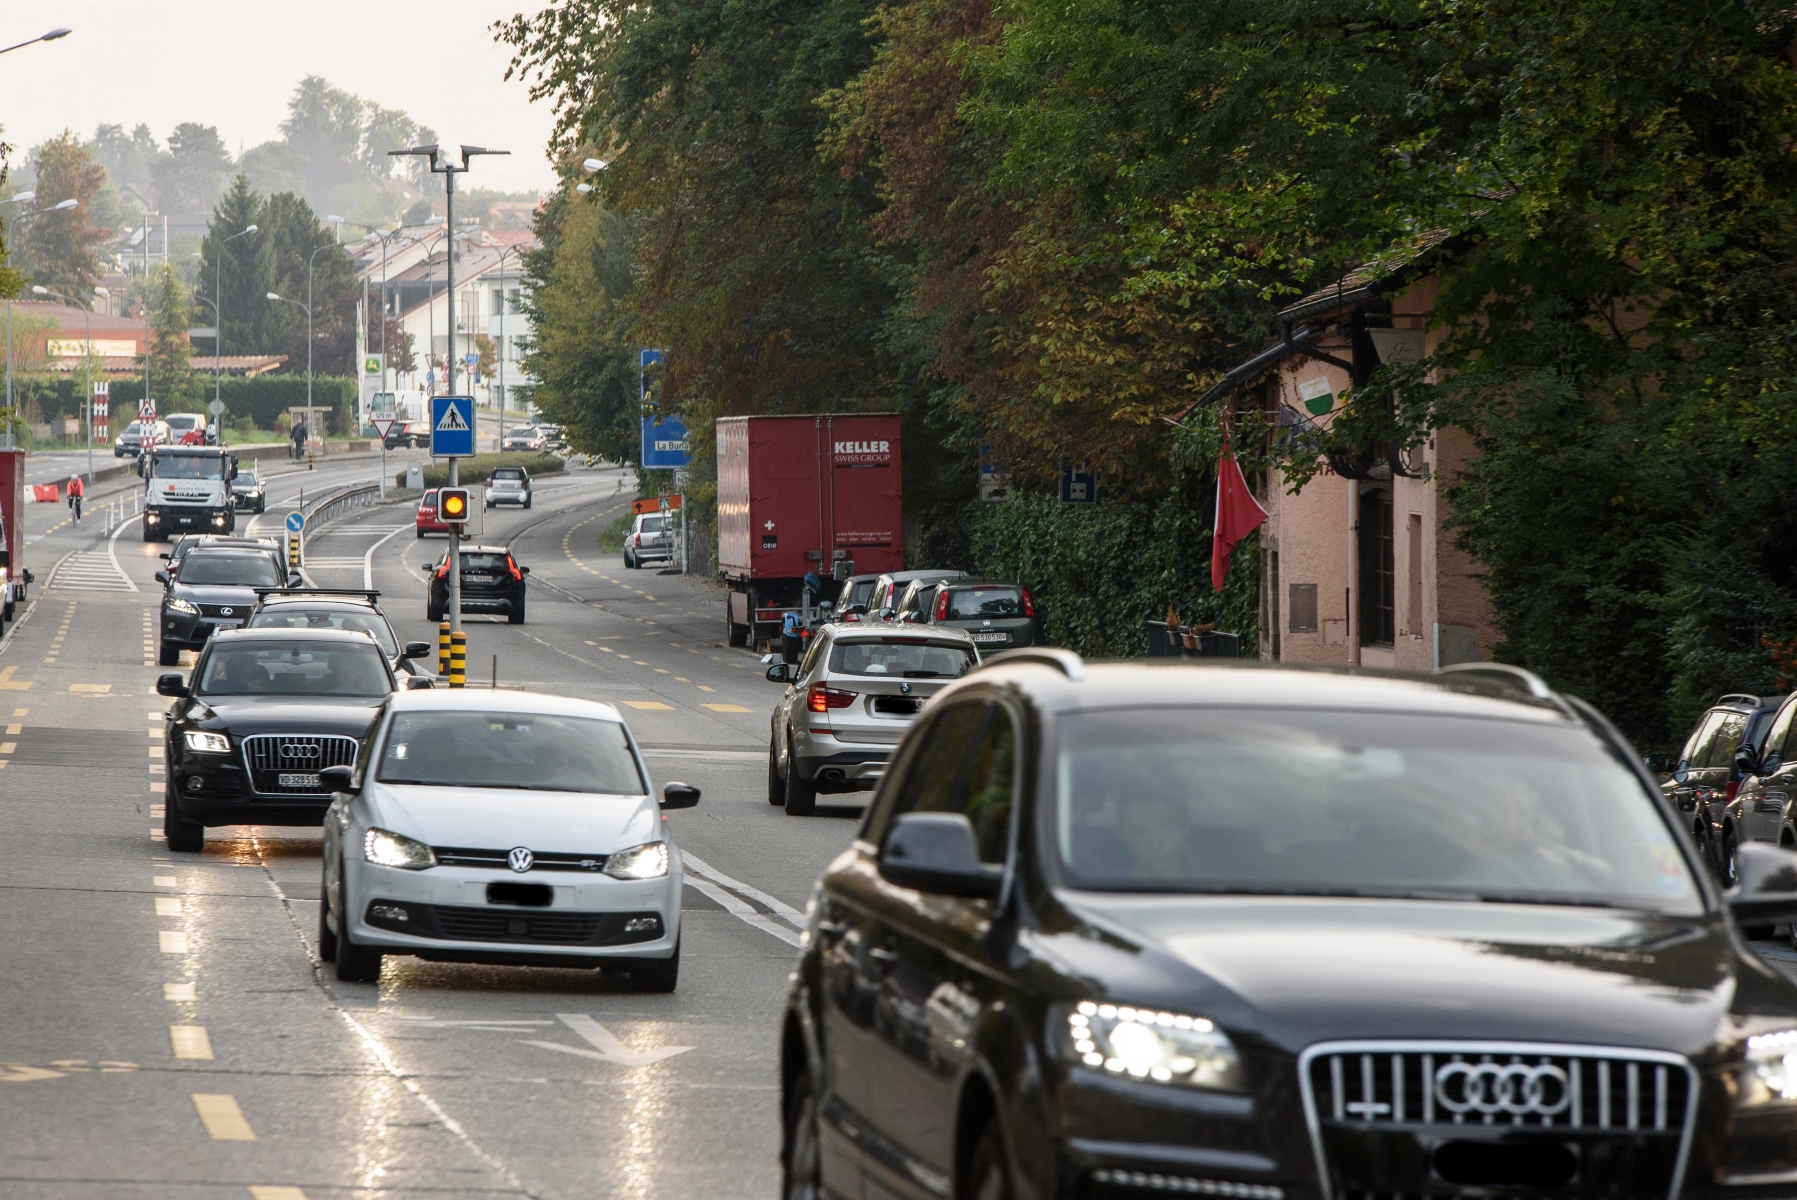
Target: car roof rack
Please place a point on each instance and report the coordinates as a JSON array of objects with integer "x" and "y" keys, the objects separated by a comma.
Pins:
[
  {"x": 364, "y": 593},
  {"x": 1065, "y": 661},
  {"x": 1514, "y": 679}
]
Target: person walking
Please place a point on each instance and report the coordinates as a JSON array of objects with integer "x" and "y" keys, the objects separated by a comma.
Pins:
[
  {"x": 299, "y": 439},
  {"x": 76, "y": 490}
]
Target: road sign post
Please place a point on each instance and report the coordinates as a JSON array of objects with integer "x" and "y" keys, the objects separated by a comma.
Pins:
[
  {"x": 383, "y": 422},
  {"x": 296, "y": 524},
  {"x": 452, "y": 437}
]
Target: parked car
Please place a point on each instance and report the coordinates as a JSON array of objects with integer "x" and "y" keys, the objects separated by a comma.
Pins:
[
  {"x": 1705, "y": 776},
  {"x": 849, "y": 702},
  {"x": 852, "y": 598},
  {"x": 502, "y": 827},
  {"x": 509, "y": 485},
  {"x": 651, "y": 539},
  {"x": 492, "y": 582},
  {"x": 131, "y": 442},
  {"x": 525, "y": 437},
  {"x": 427, "y": 521},
  {"x": 248, "y": 489},
  {"x": 998, "y": 614},
  {"x": 1126, "y": 930},
  {"x": 889, "y": 589},
  {"x": 1764, "y": 808},
  {"x": 308, "y": 610},
  {"x": 408, "y": 435}
]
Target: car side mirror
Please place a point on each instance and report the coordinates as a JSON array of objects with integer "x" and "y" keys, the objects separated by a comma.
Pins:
[
  {"x": 163, "y": 556},
  {"x": 414, "y": 682},
  {"x": 777, "y": 674},
  {"x": 1681, "y": 773},
  {"x": 171, "y": 684},
  {"x": 417, "y": 650},
  {"x": 162, "y": 576},
  {"x": 1767, "y": 891},
  {"x": 294, "y": 580},
  {"x": 1747, "y": 760},
  {"x": 936, "y": 852},
  {"x": 1658, "y": 764},
  {"x": 679, "y": 795},
  {"x": 523, "y": 570},
  {"x": 337, "y": 779}
]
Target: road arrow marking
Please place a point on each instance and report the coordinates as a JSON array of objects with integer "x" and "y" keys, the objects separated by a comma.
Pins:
[{"x": 606, "y": 1046}]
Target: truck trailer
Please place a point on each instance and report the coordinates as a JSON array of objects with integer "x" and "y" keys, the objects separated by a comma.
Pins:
[{"x": 803, "y": 494}]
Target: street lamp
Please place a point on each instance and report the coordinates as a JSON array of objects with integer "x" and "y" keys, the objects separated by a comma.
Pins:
[
  {"x": 218, "y": 339},
  {"x": 42, "y": 37},
  {"x": 276, "y": 296},
  {"x": 87, "y": 316},
  {"x": 23, "y": 197},
  {"x": 595, "y": 165}
]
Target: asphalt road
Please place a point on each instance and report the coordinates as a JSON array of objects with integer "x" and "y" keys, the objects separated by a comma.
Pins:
[{"x": 169, "y": 1030}]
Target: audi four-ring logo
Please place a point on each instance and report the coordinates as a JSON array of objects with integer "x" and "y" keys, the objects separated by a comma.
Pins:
[
  {"x": 299, "y": 750},
  {"x": 1492, "y": 1088}
]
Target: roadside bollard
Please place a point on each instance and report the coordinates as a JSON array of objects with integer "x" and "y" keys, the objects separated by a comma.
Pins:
[
  {"x": 308, "y": 458},
  {"x": 458, "y": 659},
  {"x": 293, "y": 552},
  {"x": 442, "y": 647}
]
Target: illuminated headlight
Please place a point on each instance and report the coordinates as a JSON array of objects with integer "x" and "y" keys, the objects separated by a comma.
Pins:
[
  {"x": 387, "y": 849},
  {"x": 176, "y": 604},
  {"x": 1146, "y": 1044},
  {"x": 218, "y": 520},
  {"x": 152, "y": 518},
  {"x": 649, "y": 861},
  {"x": 208, "y": 743},
  {"x": 1769, "y": 1075}
]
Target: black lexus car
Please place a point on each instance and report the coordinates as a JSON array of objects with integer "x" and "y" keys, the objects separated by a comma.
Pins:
[
  {"x": 215, "y": 590},
  {"x": 265, "y": 711},
  {"x": 492, "y": 582},
  {"x": 1119, "y": 931}
]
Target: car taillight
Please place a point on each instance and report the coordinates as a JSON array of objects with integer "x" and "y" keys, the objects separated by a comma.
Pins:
[
  {"x": 1029, "y": 605},
  {"x": 1734, "y": 785},
  {"x": 427, "y": 514},
  {"x": 823, "y": 699},
  {"x": 942, "y": 605},
  {"x": 443, "y": 569},
  {"x": 511, "y": 564}
]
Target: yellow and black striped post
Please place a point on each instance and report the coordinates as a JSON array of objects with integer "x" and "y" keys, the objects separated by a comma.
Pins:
[
  {"x": 458, "y": 659},
  {"x": 293, "y": 551},
  {"x": 442, "y": 647}
]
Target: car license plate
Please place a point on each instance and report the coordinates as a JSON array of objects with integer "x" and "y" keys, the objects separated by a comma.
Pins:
[
  {"x": 305, "y": 781},
  {"x": 991, "y": 637},
  {"x": 477, "y": 579},
  {"x": 226, "y": 624}
]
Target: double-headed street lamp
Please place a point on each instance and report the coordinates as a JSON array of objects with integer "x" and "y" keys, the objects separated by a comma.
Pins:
[
  {"x": 218, "y": 339},
  {"x": 87, "y": 315},
  {"x": 277, "y": 297}
]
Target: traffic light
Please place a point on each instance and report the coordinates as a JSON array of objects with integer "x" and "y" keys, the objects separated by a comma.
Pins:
[{"x": 452, "y": 506}]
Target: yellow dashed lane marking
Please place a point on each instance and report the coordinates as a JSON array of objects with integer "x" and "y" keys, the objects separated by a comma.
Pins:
[
  {"x": 96, "y": 688},
  {"x": 650, "y": 705},
  {"x": 223, "y": 1119},
  {"x": 263, "y": 1191},
  {"x": 164, "y": 880},
  {"x": 728, "y": 708},
  {"x": 171, "y": 941},
  {"x": 15, "y": 729},
  {"x": 190, "y": 1041},
  {"x": 177, "y": 991},
  {"x": 703, "y": 688},
  {"x": 8, "y": 747}
]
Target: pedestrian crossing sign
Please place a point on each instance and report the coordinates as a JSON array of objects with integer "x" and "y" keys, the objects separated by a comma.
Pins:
[{"x": 452, "y": 426}]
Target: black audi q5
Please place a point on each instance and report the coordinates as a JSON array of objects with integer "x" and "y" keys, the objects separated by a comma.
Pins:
[{"x": 1124, "y": 931}]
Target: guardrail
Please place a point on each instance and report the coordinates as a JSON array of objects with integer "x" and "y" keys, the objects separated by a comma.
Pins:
[{"x": 334, "y": 504}]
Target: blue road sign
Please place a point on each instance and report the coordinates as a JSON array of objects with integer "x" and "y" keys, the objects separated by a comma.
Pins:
[
  {"x": 646, "y": 358},
  {"x": 664, "y": 444},
  {"x": 452, "y": 426},
  {"x": 295, "y": 522},
  {"x": 1078, "y": 486}
]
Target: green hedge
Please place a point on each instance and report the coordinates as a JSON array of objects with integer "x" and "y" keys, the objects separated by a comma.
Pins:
[{"x": 479, "y": 468}]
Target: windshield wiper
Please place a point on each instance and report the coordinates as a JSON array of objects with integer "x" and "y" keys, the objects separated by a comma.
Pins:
[
  {"x": 923, "y": 674},
  {"x": 1549, "y": 898}
]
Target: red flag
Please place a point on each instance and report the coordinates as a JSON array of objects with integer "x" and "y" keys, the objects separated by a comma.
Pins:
[
  {"x": 1238, "y": 515},
  {"x": 46, "y": 493}
]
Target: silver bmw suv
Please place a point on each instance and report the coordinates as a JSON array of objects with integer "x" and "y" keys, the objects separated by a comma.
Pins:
[{"x": 849, "y": 702}]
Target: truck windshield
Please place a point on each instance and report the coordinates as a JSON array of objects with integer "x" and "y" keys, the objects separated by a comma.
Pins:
[{"x": 187, "y": 466}]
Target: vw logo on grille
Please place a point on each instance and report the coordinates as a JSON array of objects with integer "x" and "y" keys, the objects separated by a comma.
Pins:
[
  {"x": 300, "y": 750},
  {"x": 226, "y": 611},
  {"x": 1492, "y": 1088},
  {"x": 520, "y": 859}
]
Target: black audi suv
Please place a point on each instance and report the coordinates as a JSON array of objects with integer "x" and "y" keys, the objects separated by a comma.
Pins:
[
  {"x": 265, "y": 711},
  {"x": 1119, "y": 931}
]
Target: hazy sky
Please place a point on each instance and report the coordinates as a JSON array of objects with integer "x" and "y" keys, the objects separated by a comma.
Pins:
[{"x": 234, "y": 65}]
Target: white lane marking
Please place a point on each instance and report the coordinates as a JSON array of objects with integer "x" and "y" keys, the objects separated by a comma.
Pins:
[
  {"x": 709, "y": 755},
  {"x": 171, "y": 941},
  {"x": 368, "y": 559},
  {"x": 744, "y": 913},
  {"x": 704, "y": 868},
  {"x": 605, "y": 1043},
  {"x": 112, "y": 549},
  {"x": 190, "y": 1041}
]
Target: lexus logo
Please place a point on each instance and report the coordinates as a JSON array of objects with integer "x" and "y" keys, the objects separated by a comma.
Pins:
[
  {"x": 1490, "y": 1088},
  {"x": 299, "y": 750},
  {"x": 226, "y": 611},
  {"x": 520, "y": 859}
]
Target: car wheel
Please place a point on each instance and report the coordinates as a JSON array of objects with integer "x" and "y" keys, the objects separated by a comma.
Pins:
[
  {"x": 189, "y": 837},
  {"x": 1729, "y": 869},
  {"x": 738, "y": 634},
  {"x": 355, "y": 964},
  {"x": 801, "y": 797},
  {"x": 433, "y": 615},
  {"x": 516, "y": 616},
  {"x": 629, "y": 562},
  {"x": 988, "y": 1173},
  {"x": 656, "y": 974},
  {"x": 421, "y": 535},
  {"x": 167, "y": 655},
  {"x": 327, "y": 941},
  {"x": 800, "y": 1160},
  {"x": 776, "y": 786},
  {"x": 527, "y": 501}
]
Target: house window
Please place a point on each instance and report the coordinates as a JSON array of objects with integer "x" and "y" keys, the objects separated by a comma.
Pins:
[
  {"x": 496, "y": 299},
  {"x": 1413, "y": 618},
  {"x": 1377, "y": 603}
]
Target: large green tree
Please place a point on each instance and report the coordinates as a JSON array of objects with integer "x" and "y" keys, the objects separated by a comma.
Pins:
[
  {"x": 171, "y": 374},
  {"x": 298, "y": 239},
  {"x": 242, "y": 269},
  {"x": 189, "y": 179},
  {"x": 60, "y": 249}
]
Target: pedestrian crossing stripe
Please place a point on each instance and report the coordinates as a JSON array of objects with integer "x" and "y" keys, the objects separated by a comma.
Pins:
[{"x": 452, "y": 420}]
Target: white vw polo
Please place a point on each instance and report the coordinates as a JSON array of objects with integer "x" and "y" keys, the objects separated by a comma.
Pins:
[{"x": 501, "y": 827}]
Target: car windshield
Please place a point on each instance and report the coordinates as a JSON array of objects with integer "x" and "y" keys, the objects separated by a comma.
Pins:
[
  {"x": 483, "y": 564},
  {"x": 1314, "y": 802},
  {"x": 230, "y": 570},
  {"x": 532, "y": 751},
  {"x": 523, "y": 432},
  {"x": 187, "y": 466},
  {"x": 246, "y": 476},
  {"x": 965, "y": 604},
  {"x": 297, "y": 668},
  {"x": 292, "y": 616},
  {"x": 901, "y": 657}
]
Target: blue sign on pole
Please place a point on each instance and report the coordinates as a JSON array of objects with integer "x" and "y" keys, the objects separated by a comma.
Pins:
[
  {"x": 452, "y": 426},
  {"x": 664, "y": 444},
  {"x": 1078, "y": 486},
  {"x": 295, "y": 522},
  {"x": 646, "y": 358}
]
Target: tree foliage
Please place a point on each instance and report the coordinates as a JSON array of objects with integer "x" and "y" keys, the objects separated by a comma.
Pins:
[{"x": 60, "y": 249}]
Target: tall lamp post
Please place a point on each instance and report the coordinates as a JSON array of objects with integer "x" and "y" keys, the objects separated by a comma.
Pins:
[
  {"x": 87, "y": 316},
  {"x": 53, "y": 35},
  {"x": 218, "y": 341},
  {"x": 449, "y": 171},
  {"x": 280, "y": 299},
  {"x": 23, "y": 198}
]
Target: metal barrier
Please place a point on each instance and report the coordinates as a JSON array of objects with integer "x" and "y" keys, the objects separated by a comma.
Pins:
[{"x": 332, "y": 505}]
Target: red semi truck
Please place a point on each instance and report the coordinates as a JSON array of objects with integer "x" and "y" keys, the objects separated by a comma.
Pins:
[
  {"x": 799, "y": 494},
  {"x": 13, "y": 575}
]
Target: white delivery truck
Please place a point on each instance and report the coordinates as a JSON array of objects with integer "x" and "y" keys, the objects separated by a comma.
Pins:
[{"x": 187, "y": 489}]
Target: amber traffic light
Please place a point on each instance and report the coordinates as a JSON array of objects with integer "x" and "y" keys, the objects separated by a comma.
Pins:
[{"x": 452, "y": 506}]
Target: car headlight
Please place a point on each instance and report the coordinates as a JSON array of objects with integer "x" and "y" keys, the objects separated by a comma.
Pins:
[
  {"x": 182, "y": 606},
  {"x": 388, "y": 849},
  {"x": 1769, "y": 1076},
  {"x": 648, "y": 861},
  {"x": 208, "y": 743},
  {"x": 1144, "y": 1043}
]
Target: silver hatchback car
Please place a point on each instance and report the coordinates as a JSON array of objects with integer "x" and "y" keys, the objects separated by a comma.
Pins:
[{"x": 849, "y": 702}]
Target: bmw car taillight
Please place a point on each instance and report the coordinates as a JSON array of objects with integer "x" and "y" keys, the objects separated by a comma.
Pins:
[
  {"x": 823, "y": 699},
  {"x": 1029, "y": 605}
]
